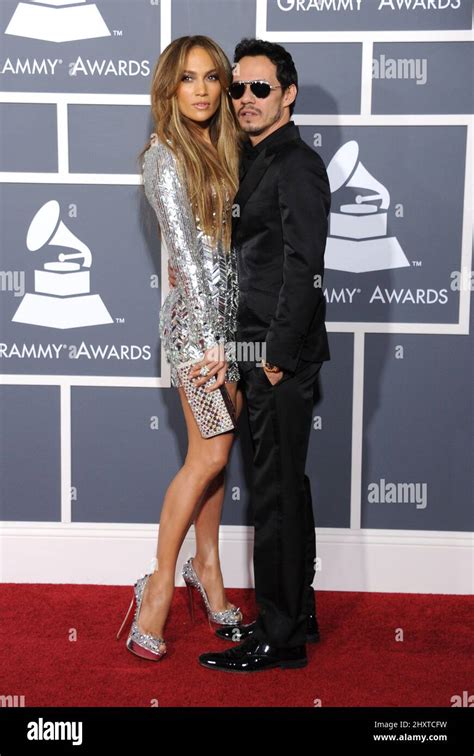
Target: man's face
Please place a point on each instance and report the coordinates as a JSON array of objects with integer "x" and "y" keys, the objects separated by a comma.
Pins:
[{"x": 259, "y": 117}]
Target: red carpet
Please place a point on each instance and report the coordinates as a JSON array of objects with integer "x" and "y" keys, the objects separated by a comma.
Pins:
[{"x": 357, "y": 663}]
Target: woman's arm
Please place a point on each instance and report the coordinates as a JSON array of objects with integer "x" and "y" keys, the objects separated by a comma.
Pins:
[{"x": 167, "y": 194}]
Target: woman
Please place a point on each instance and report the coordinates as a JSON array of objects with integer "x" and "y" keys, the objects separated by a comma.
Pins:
[{"x": 190, "y": 175}]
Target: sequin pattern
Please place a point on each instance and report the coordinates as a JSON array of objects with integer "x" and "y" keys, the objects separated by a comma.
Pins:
[{"x": 201, "y": 310}]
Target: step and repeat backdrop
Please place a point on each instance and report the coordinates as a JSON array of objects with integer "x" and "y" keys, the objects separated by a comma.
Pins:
[{"x": 91, "y": 431}]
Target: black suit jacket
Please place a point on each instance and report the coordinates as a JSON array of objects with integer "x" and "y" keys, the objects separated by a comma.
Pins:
[{"x": 280, "y": 233}]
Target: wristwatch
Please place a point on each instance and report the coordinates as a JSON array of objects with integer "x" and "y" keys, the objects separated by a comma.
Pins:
[{"x": 271, "y": 368}]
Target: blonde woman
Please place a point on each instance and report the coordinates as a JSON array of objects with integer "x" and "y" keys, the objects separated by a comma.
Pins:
[{"x": 190, "y": 176}]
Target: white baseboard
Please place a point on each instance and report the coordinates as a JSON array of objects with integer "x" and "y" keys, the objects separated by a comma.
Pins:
[{"x": 393, "y": 561}]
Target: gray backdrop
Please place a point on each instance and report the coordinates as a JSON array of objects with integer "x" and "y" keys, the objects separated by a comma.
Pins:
[{"x": 391, "y": 445}]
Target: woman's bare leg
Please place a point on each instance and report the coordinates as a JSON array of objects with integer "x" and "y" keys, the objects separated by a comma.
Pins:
[
  {"x": 206, "y": 525},
  {"x": 205, "y": 459}
]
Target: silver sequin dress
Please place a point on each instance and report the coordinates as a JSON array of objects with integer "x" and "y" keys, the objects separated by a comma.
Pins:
[{"x": 201, "y": 310}]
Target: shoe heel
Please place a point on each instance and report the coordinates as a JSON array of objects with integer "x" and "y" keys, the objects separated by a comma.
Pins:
[
  {"x": 190, "y": 601},
  {"x": 126, "y": 616}
]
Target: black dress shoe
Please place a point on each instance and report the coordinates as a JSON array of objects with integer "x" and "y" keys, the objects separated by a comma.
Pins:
[
  {"x": 238, "y": 633},
  {"x": 254, "y": 655}
]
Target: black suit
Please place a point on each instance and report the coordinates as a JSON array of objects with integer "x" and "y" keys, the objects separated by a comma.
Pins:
[{"x": 280, "y": 237}]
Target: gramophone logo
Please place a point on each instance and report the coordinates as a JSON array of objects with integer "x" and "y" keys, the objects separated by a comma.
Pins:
[
  {"x": 62, "y": 297},
  {"x": 57, "y": 21},
  {"x": 358, "y": 240}
]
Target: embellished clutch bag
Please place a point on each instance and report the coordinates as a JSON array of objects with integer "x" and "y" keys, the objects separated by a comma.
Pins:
[{"x": 213, "y": 411}]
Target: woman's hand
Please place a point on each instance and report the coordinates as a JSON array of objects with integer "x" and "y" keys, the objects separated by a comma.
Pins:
[{"x": 214, "y": 359}]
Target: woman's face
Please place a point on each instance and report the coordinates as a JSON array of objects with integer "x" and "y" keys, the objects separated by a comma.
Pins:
[{"x": 199, "y": 91}]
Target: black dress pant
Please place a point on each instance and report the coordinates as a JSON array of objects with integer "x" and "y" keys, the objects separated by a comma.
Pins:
[{"x": 280, "y": 418}]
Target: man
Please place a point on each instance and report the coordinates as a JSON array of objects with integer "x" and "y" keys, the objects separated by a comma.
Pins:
[{"x": 280, "y": 237}]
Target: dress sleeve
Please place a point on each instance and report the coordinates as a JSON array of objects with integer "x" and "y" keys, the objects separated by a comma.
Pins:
[{"x": 167, "y": 194}]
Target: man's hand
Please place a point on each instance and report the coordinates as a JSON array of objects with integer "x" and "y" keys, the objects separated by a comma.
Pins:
[
  {"x": 273, "y": 377},
  {"x": 171, "y": 276}
]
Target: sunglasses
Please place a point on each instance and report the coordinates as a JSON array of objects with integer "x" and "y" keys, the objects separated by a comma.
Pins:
[{"x": 259, "y": 88}]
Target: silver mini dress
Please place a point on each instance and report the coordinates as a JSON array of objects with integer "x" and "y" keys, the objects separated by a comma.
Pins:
[{"x": 201, "y": 309}]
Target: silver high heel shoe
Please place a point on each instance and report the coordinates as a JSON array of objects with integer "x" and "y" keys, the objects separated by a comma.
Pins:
[
  {"x": 232, "y": 616},
  {"x": 145, "y": 645}
]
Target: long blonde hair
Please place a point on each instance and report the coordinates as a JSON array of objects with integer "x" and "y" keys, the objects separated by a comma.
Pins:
[{"x": 201, "y": 168}]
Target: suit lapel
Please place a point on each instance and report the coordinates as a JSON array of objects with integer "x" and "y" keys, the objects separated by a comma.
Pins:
[
  {"x": 258, "y": 169},
  {"x": 250, "y": 181}
]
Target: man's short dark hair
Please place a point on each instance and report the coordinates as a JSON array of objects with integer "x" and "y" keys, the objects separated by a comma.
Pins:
[{"x": 285, "y": 68}]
